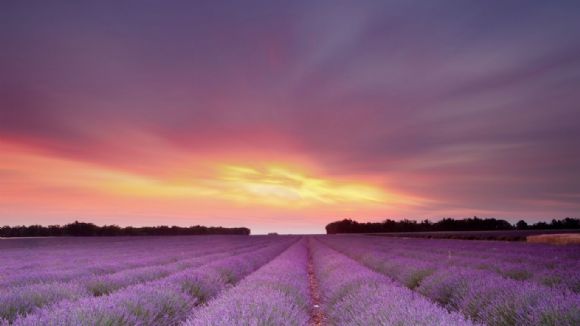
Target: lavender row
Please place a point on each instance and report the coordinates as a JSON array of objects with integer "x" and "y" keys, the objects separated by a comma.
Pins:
[
  {"x": 480, "y": 295},
  {"x": 66, "y": 252},
  {"x": 23, "y": 299},
  {"x": 91, "y": 251},
  {"x": 551, "y": 266},
  {"x": 536, "y": 256},
  {"x": 547, "y": 256},
  {"x": 558, "y": 271},
  {"x": 97, "y": 261},
  {"x": 167, "y": 301},
  {"x": 106, "y": 266},
  {"x": 354, "y": 295},
  {"x": 276, "y": 294}
]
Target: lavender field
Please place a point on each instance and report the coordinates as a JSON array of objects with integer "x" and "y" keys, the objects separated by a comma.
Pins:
[{"x": 286, "y": 280}]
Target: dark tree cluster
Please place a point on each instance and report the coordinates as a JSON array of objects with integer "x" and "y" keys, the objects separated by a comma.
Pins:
[
  {"x": 90, "y": 229},
  {"x": 567, "y": 223},
  {"x": 446, "y": 224}
]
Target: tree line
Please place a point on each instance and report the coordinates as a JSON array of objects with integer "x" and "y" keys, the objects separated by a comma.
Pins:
[
  {"x": 446, "y": 224},
  {"x": 90, "y": 229}
]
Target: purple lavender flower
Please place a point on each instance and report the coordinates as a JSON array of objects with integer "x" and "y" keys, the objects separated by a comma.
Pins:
[
  {"x": 483, "y": 294},
  {"x": 355, "y": 295},
  {"x": 276, "y": 294},
  {"x": 162, "y": 301}
]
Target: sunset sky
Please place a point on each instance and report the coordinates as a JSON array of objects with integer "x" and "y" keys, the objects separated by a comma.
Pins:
[{"x": 286, "y": 115}]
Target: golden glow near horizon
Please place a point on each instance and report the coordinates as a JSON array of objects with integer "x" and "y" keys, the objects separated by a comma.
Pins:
[{"x": 250, "y": 185}]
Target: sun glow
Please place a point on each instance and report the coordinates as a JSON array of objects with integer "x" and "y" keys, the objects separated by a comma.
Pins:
[{"x": 278, "y": 185}]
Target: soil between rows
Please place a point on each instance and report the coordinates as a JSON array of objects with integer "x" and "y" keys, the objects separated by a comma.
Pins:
[{"x": 317, "y": 317}]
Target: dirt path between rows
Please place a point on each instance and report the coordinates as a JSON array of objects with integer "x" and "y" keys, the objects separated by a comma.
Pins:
[{"x": 317, "y": 317}]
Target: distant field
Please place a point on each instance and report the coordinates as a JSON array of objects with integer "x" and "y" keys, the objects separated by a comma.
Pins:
[
  {"x": 286, "y": 280},
  {"x": 509, "y": 235},
  {"x": 559, "y": 238}
]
